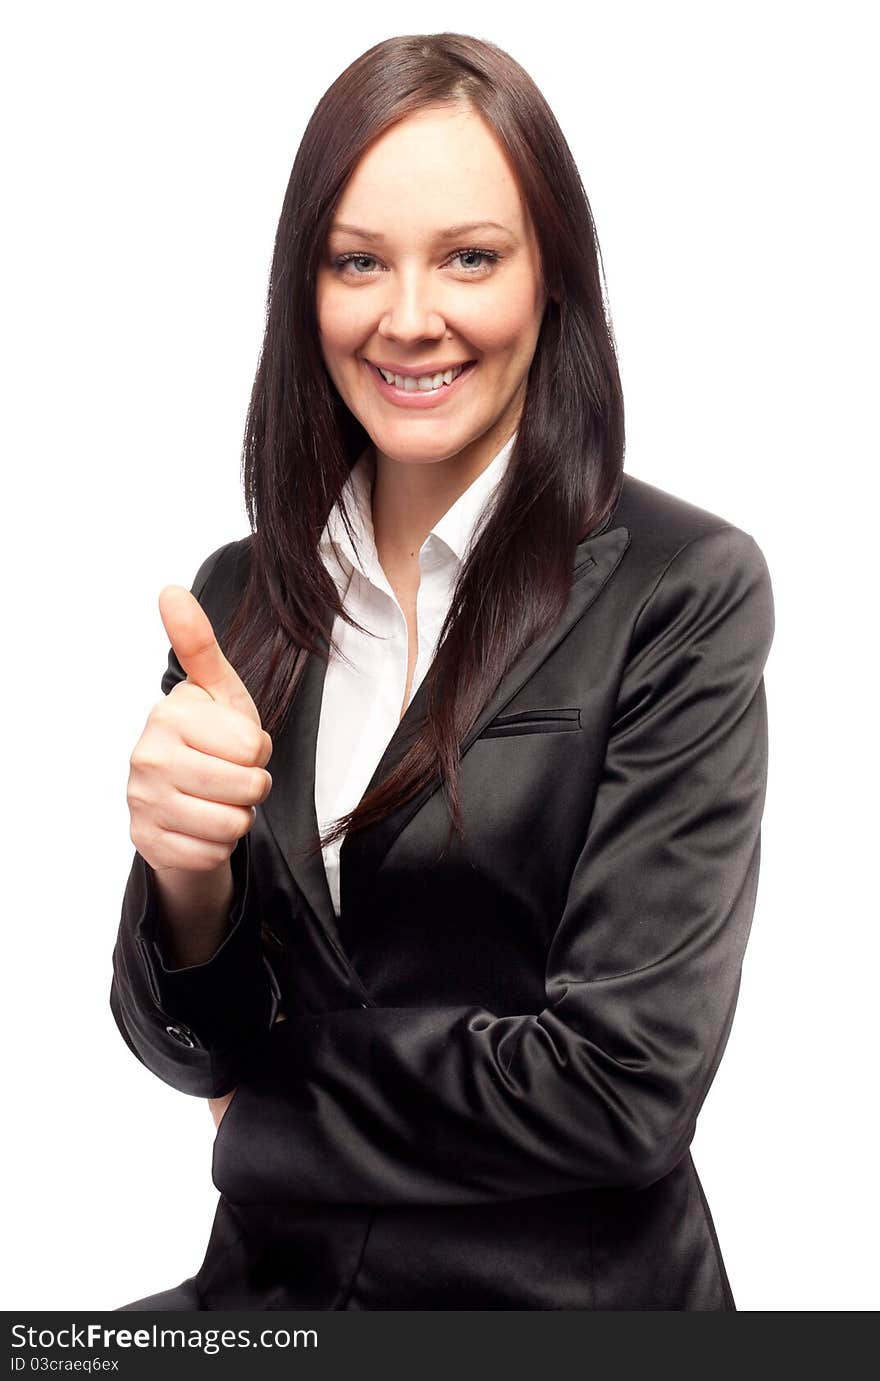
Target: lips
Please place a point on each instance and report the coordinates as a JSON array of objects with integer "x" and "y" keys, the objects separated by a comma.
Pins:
[{"x": 415, "y": 397}]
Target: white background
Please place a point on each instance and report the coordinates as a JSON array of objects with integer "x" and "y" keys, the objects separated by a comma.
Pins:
[{"x": 727, "y": 152}]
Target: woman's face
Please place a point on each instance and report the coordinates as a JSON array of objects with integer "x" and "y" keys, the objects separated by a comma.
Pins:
[{"x": 405, "y": 284}]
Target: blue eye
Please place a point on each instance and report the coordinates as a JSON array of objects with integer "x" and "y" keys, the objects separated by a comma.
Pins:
[
  {"x": 486, "y": 254},
  {"x": 344, "y": 259},
  {"x": 488, "y": 257}
]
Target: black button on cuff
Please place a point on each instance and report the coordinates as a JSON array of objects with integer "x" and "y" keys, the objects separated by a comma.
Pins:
[{"x": 182, "y": 1034}]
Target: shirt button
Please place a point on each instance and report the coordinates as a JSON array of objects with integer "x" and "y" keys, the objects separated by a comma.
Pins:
[{"x": 182, "y": 1035}]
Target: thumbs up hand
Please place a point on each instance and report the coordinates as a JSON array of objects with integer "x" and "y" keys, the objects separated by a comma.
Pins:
[{"x": 198, "y": 769}]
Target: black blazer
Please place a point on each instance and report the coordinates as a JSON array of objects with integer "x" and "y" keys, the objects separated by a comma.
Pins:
[{"x": 489, "y": 1077}]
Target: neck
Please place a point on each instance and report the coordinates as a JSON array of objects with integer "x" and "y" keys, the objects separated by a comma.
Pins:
[{"x": 409, "y": 497}]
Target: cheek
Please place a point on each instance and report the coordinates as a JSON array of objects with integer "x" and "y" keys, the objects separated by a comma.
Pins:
[
  {"x": 338, "y": 321},
  {"x": 508, "y": 321}
]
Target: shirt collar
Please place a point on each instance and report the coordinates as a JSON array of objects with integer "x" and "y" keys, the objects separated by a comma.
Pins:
[{"x": 456, "y": 528}]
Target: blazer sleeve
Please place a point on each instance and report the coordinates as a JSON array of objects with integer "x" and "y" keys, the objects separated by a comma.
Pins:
[
  {"x": 179, "y": 1022},
  {"x": 454, "y": 1105}
]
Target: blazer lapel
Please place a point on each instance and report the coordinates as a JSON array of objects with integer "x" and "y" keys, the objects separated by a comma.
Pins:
[
  {"x": 290, "y": 807},
  {"x": 362, "y": 853}
]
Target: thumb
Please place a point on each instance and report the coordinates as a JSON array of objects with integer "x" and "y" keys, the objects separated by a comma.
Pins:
[{"x": 198, "y": 652}]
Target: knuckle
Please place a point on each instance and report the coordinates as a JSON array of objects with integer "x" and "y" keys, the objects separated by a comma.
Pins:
[
  {"x": 164, "y": 710},
  {"x": 217, "y": 853},
  {"x": 145, "y": 757},
  {"x": 136, "y": 799},
  {"x": 146, "y": 841},
  {"x": 253, "y": 747},
  {"x": 183, "y": 690},
  {"x": 261, "y": 785}
]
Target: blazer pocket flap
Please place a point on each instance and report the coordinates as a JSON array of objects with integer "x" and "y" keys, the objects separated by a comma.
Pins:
[{"x": 550, "y": 721}]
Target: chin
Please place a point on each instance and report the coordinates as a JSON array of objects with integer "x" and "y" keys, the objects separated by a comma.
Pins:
[{"x": 405, "y": 445}]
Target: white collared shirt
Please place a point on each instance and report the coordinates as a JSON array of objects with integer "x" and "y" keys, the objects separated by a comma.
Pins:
[{"x": 362, "y": 698}]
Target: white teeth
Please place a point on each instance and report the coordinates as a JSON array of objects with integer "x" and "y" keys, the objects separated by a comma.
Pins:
[{"x": 425, "y": 383}]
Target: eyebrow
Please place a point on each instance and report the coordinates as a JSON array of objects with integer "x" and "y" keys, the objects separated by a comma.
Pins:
[{"x": 452, "y": 232}]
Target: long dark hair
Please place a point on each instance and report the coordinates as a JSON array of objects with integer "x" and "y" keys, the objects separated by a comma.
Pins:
[{"x": 301, "y": 440}]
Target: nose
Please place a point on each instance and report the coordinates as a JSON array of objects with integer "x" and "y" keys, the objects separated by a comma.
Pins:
[{"x": 410, "y": 314}]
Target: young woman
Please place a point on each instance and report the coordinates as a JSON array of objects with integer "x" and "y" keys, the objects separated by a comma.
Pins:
[{"x": 457, "y": 974}]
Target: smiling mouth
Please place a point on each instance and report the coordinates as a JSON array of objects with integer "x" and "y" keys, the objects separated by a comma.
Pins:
[{"x": 424, "y": 383}]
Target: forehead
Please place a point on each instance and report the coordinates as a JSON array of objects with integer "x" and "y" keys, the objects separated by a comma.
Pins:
[{"x": 435, "y": 167}]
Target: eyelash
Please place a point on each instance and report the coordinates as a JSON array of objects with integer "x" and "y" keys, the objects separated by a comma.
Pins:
[{"x": 490, "y": 254}]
